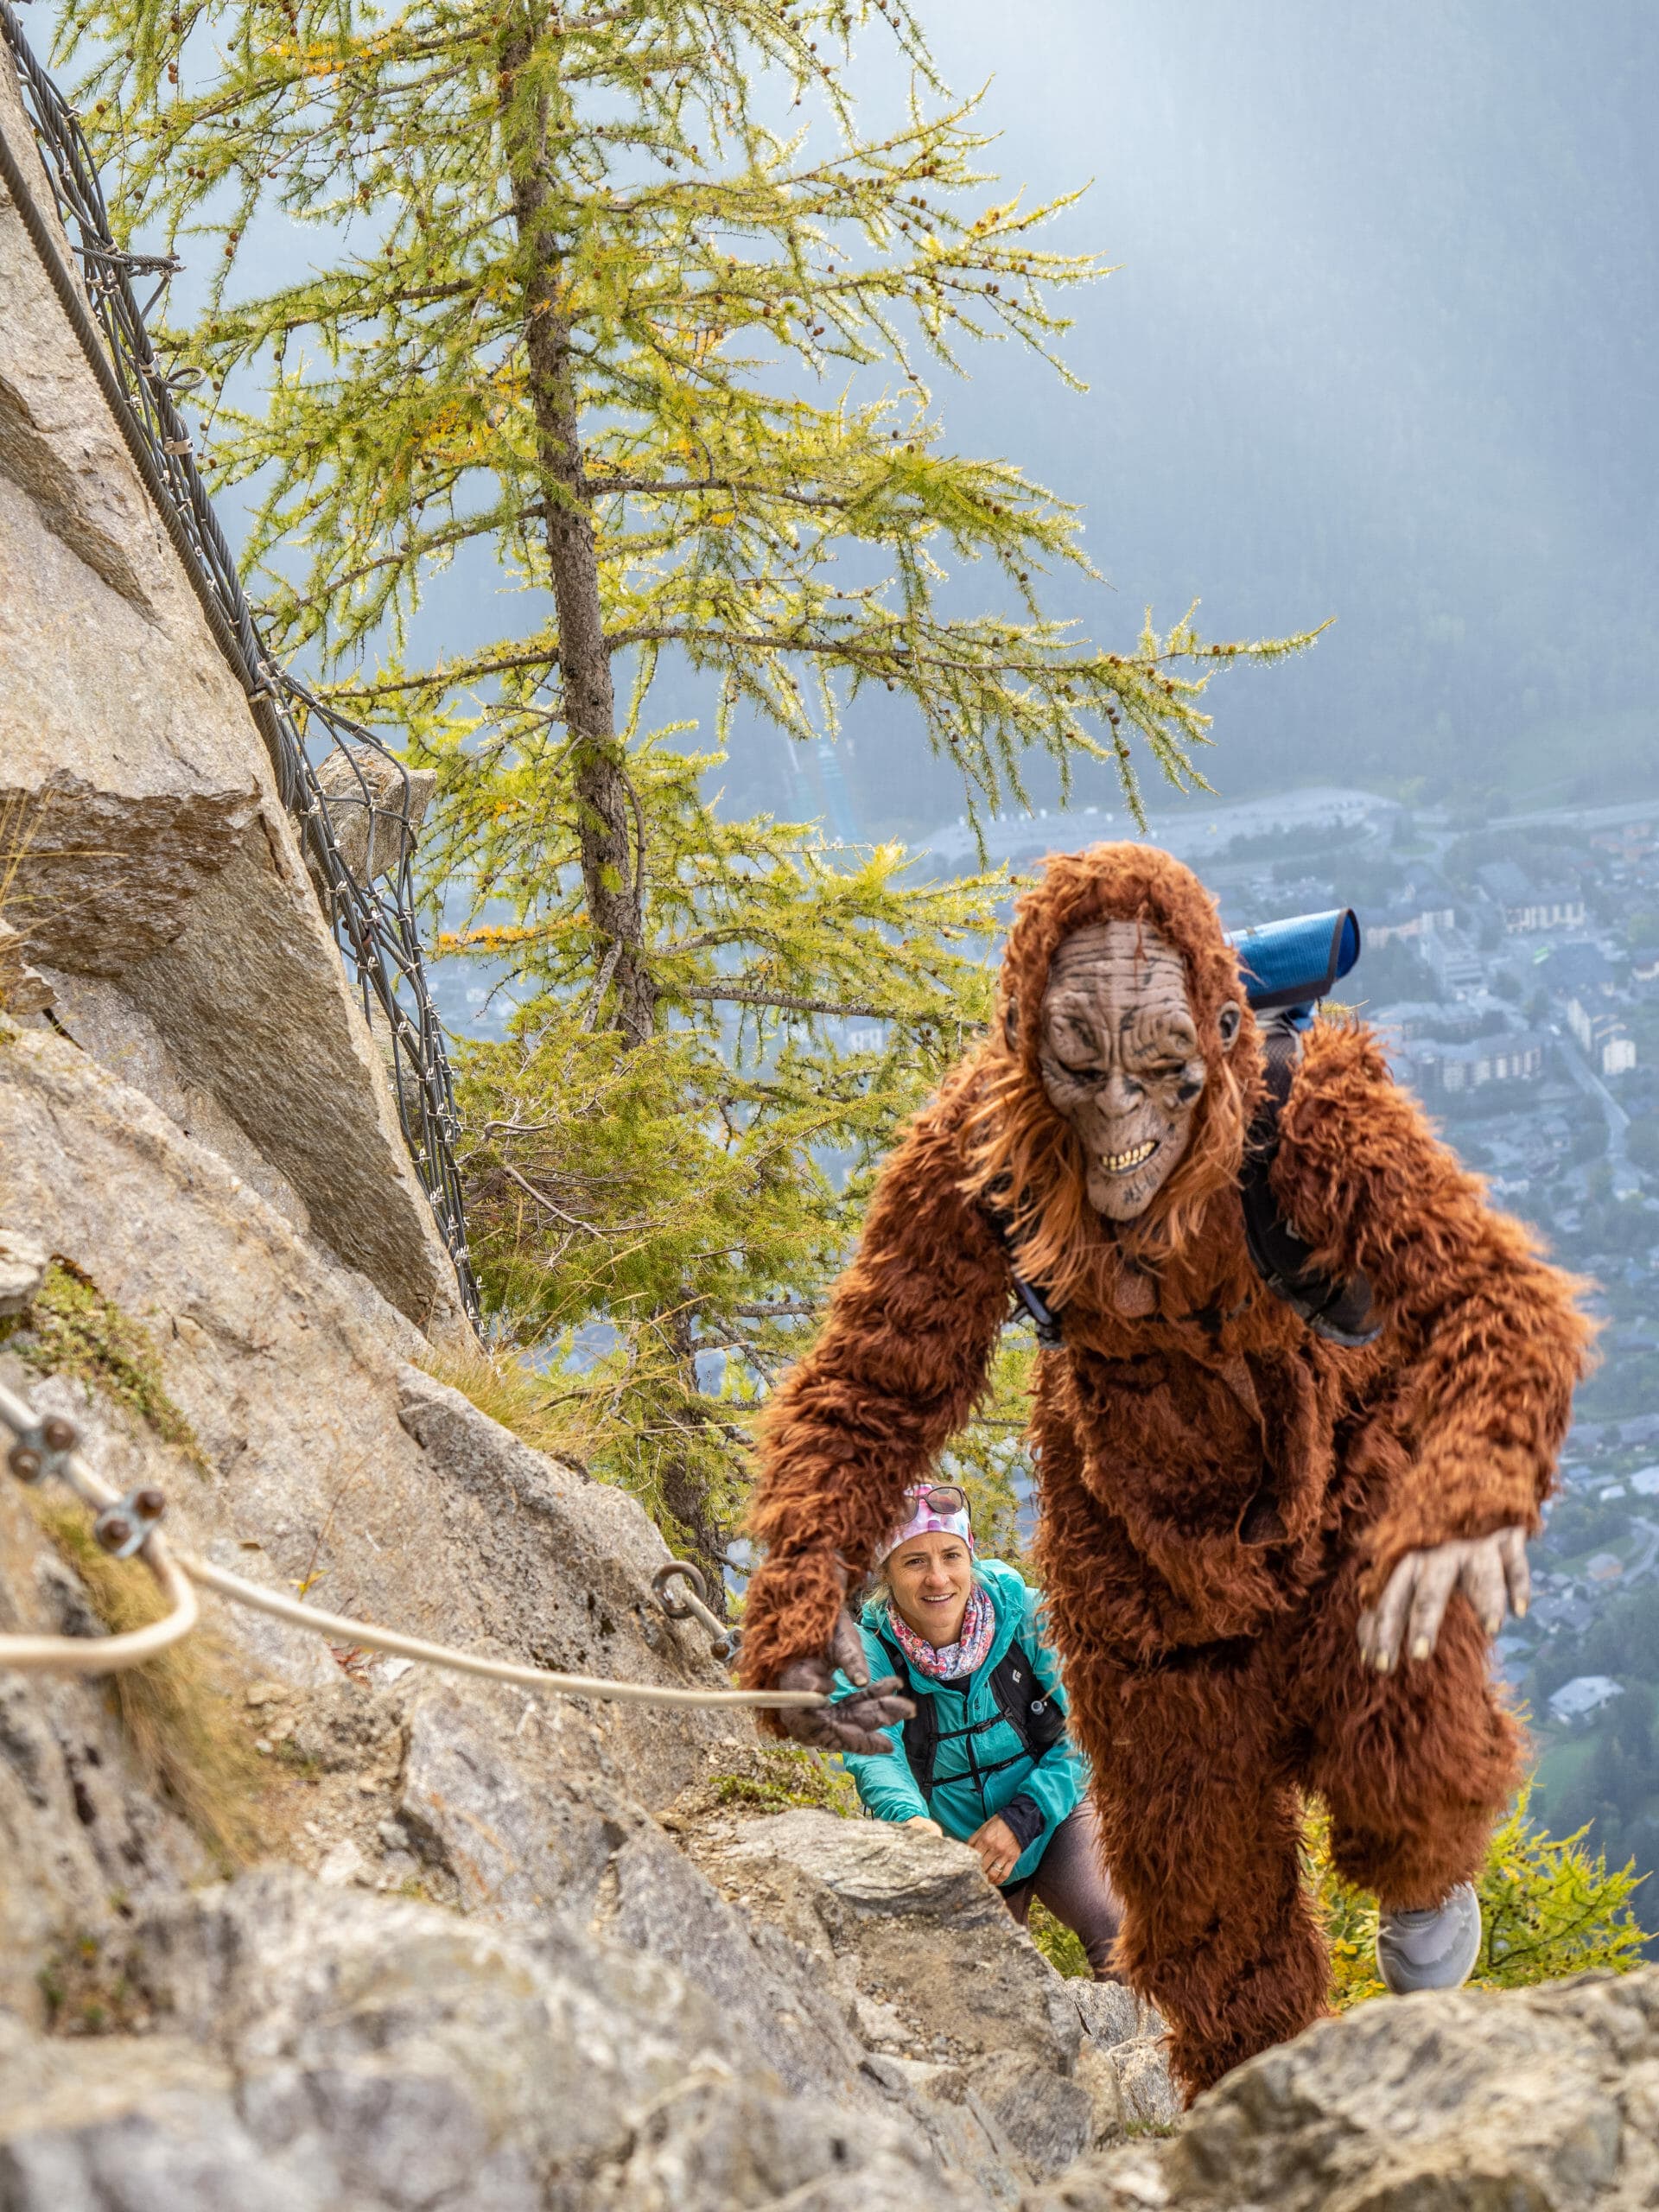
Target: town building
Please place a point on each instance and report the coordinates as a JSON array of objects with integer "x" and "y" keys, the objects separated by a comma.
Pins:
[
  {"x": 1584, "y": 1695},
  {"x": 1602, "y": 1038},
  {"x": 1515, "y": 1056},
  {"x": 1528, "y": 907}
]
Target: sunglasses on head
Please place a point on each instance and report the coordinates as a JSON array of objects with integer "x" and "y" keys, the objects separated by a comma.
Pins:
[{"x": 940, "y": 1497}]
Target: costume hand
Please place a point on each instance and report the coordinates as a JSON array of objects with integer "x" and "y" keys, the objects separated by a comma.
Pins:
[
  {"x": 919, "y": 1824},
  {"x": 856, "y": 1723},
  {"x": 998, "y": 1848},
  {"x": 1489, "y": 1570}
]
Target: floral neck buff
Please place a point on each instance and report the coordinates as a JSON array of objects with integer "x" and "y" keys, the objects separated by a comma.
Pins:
[{"x": 943, "y": 1663}]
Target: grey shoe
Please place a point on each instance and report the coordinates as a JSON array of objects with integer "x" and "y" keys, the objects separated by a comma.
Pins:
[{"x": 1434, "y": 1948}]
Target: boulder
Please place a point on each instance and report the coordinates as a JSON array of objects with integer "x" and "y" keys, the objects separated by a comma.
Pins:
[
  {"x": 1545, "y": 2099},
  {"x": 907, "y": 1925},
  {"x": 1123, "y": 2063},
  {"x": 375, "y": 807},
  {"x": 969, "y": 2022},
  {"x": 316, "y": 2048}
]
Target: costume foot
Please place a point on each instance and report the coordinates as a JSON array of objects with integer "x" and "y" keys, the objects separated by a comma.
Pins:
[{"x": 1435, "y": 1948}]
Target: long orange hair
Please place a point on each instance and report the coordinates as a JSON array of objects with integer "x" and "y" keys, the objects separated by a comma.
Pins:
[{"x": 1025, "y": 1160}]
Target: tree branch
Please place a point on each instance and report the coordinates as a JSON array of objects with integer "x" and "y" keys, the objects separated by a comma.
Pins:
[{"x": 740, "y": 995}]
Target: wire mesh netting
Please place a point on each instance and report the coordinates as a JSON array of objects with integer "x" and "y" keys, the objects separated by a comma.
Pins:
[{"x": 356, "y": 805}]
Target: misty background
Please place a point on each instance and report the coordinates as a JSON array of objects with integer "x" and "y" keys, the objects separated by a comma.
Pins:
[{"x": 1379, "y": 346}]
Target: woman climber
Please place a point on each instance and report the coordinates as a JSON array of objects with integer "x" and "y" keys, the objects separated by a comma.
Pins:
[{"x": 986, "y": 1759}]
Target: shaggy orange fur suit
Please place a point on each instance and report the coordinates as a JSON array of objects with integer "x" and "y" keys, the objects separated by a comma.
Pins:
[{"x": 1222, "y": 1492}]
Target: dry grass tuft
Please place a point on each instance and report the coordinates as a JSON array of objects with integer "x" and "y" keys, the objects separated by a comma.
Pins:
[
  {"x": 178, "y": 1711},
  {"x": 516, "y": 1397}
]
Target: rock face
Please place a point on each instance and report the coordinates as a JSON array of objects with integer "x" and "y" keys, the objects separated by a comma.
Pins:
[
  {"x": 1542, "y": 2100},
  {"x": 146, "y": 861},
  {"x": 330, "y": 1459},
  {"x": 315, "y": 2051},
  {"x": 374, "y": 807}
]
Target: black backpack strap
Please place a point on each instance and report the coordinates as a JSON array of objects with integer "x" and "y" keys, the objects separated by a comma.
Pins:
[
  {"x": 1043, "y": 1317},
  {"x": 1343, "y": 1312},
  {"x": 921, "y": 1739},
  {"x": 1032, "y": 1712}
]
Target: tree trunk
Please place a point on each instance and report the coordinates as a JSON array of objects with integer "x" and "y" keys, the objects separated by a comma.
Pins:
[
  {"x": 612, "y": 854},
  {"x": 612, "y": 846},
  {"x": 684, "y": 1492}
]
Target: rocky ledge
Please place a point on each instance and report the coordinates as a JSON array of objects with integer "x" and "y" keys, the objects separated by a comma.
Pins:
[{"x": 1540, "y": 2100}]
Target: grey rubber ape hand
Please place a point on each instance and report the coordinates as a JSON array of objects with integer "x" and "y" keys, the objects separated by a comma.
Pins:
[
  {"x": 854, "y": 1723},
  {"x": 1491, "y": 1572}
]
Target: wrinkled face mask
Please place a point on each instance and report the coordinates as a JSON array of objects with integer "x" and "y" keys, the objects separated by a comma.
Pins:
[{"x": 1121, "y": 1058}]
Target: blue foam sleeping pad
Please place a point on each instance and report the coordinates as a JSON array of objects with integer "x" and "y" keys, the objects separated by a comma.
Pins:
[{"x": 1296, "y": 964}]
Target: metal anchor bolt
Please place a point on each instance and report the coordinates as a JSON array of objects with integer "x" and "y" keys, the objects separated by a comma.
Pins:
[{"x": 26, "y": 1462}]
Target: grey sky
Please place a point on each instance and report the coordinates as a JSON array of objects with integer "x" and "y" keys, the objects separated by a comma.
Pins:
[{"x": 1381, "y": 345}]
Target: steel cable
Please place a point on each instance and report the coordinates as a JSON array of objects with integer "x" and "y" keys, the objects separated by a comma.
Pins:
[
  {"x": 100, "y": 1655},
  {"x": 35, "y": 1453},
  {"x": 343, "y": 1627}
]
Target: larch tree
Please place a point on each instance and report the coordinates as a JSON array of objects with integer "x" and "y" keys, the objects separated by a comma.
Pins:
[{"x": 621, "y": 295}]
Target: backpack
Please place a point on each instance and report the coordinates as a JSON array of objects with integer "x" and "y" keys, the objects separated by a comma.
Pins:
[
  {"x": 1342, "y": 1312},
  {"x": 1037, "y": 1721}
]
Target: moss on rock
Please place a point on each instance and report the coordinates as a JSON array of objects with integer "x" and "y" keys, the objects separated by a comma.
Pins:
[{"x": 71, "y": 1328}]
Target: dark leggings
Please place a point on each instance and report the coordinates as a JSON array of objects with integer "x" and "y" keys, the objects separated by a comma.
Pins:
[{"x": 1072, "y": 1882}]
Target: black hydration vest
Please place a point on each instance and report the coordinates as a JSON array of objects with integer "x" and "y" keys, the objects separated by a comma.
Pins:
[
  {"x": 1032, "y": 1713},
  {"x": 1342, "y": 1312}
]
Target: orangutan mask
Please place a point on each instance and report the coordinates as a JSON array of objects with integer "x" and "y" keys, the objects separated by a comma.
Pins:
[{"x": 1121, "y": 1058}]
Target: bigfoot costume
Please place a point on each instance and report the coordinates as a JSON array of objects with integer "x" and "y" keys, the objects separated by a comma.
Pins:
[{"x": 1240, "y": 1516}]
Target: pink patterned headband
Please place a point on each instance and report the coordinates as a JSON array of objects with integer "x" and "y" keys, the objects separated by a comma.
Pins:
[{"x": 936, "y": 1508}]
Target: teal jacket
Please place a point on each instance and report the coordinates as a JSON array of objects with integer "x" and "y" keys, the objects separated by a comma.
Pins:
[{"x": 962, "y": 1800}]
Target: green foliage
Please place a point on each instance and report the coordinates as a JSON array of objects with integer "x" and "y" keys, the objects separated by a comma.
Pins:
[
  {"x": 697, "y": 1190},
  {"x": 71, "y": 1329},
  {"x": 770, "y": 1778},
  {"x": 1548, "y": 1907},
  {"x": 611, "y": 173},
  {"x": 790, "y": 1777},
  {"x": 625, "y": 298},
  {"x": 1057, "y": 1944}
]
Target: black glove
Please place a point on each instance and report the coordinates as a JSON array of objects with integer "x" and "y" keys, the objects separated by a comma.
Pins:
[{"x": 853, "y": 1724}]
